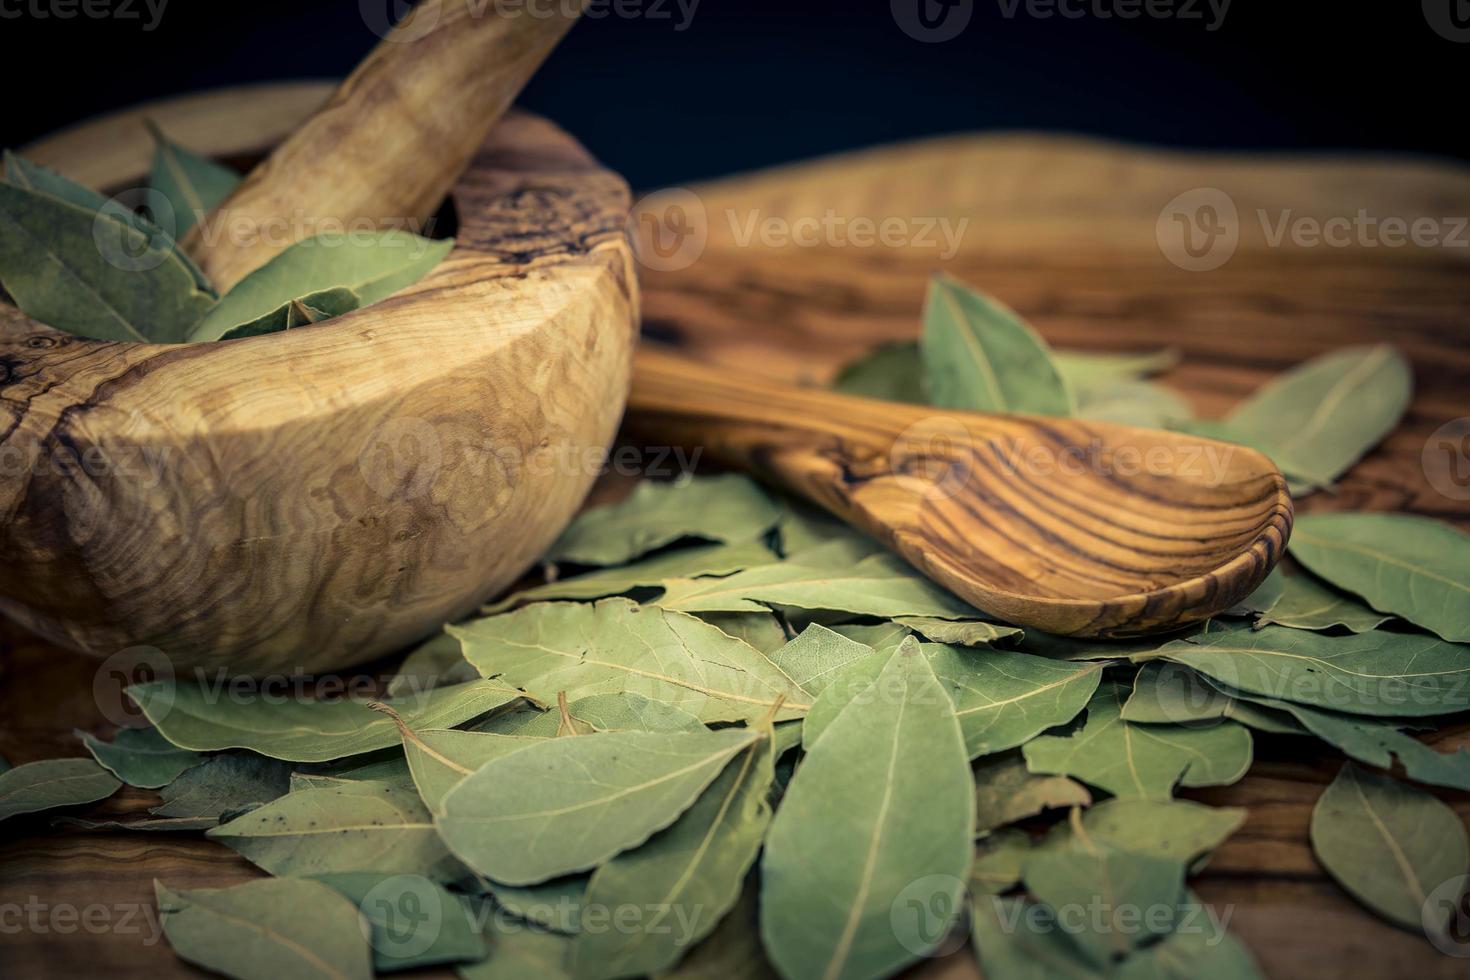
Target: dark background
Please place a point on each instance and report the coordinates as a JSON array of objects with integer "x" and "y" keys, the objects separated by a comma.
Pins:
[{"x": 749, "y": 83}]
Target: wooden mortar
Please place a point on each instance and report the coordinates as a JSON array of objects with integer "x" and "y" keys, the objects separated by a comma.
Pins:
[{"x": 312, "y": 499}]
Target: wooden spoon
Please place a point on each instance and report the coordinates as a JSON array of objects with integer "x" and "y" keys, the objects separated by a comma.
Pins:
[{"x": 1069, "y": 526}]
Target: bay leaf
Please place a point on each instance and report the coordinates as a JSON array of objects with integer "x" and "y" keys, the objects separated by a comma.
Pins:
[
  {"x": 893, "y": 372},
  {"x": 625, "y": 712},
  {"x": 362, "y": 826},
  {"x": 437, "y": 662},
  {"x": 96, "y": 274},
  {"x": 555, "y": 905},
  {"x": 1134, "y": 761},
  {"x": 1179, "y": 830},
  {"x": 882, "y": 636},
  {"x": 999, "y": 857},
  {"x": 300, "y": 311},
  {"x": 1169, "y": 694},
  {"x": 699, "y": 562},
  {"x": 440, "y": 759},
  {"x": 160, "y": 825},
  {"x": 291, "y": 927},
  {"x": 1318, "y": 419},
  {"x": 733, "y": 951},
  {"x": 1193, "y": 954},
  {"x": 1084, "y": 369},
  {"x": 729, "y": 509},
  {"x": 1373, "y": 673},
  {"x": 51, "y": 783},
  {"x": 1119, "y": 895},
  {"x": 802, "y": 528},
  {"x": 683, "y": 880},
  {"x": 1143, "y": 404},
  {"x": 141, "y": 757},
  {"x": 533, "y": 815},
  {"x": 880, "y": 585},
  {"x": 617, "y": 646},
  {"x": 818, "y": 655},
  {"x": 386, "y": 765},
  {"x": 1387, "y": 844},
  {"x": 518, "y": 952},
  {"x": 224, "y": 784},
  {"x": 844, "y": 851},
  {"x": 1307, "y": 603},
  {"x": 1264, "y": 598},
  {"x": 414, "y": 922},
  {"x": 964, "y": 633},
  {"x": 195, "y": 716},
  {"x": 1006, "y": 791},
  {"x": 1410, "y": 566},
  {"x": 1015, "y": 939},
  {"x": 761, "y": 630},
  {"x": 192, "y": 185},
  {"x": 373, "y": 266},
  {"x": 981, "y": 356}
]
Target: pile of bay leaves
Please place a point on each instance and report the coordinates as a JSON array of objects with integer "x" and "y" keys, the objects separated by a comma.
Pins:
[
  {"x": 93, "y": 266},
  {"x": 730, "y": 737}
]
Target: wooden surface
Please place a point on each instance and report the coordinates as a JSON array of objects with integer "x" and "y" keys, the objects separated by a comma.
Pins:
[
  {"x": 1030, "y": 518},
  {"x": 314, "y": 498},
  {"x": 1062, "y": 230}
]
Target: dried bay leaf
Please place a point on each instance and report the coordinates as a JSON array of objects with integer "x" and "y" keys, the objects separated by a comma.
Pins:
[
  {"x": 414, "y": 921},
  {"x": 440, "y": 759},
  {"x": 534, "y": 814},
  {"x": 193, "y": 716},
  {"x": 1387, "y": 844},
  {"x": 518, "y": 952},
  {"x": 1087, "y": 369},
  {"x": 437, "y": 662},
  {"x": 1410, "y": 566},
  {"x": 981, "y": 356},
  {"x": 624, "y": 712},
  {"x": 761, "y": 630},
  {"x": 728, "y": 509},
  {"x": 224, "y": 784},
  {"x": 1264, "y": 598},
  {"x": 51, "y": 783},
  {"x": 273, "y": 929},
  {"x": 1134, "y": 761},
  {"x": 1015, "y": 939},
  {"x": 892, "y": 372},
  {"x": 301, "y": 311},
  {"x": 1318, "y": 419},
  {"x": 1193, "y": 954},
  {"x": 818, "y": 655},
  {"x": 1179, "y": 830},
  {"x": 964, "y": 633},
  {"x": 352, "y": 827},
  {"x": 372, "y": 266},
  {"x": 690, "y": 875},
  {"x": 617, "y": 646},
  {"x": 192, "y": 185},
  {"x": 100, "y": 274},
  {"x": 161, "y": 825},
  {"x": 141, "y": 757},
  {"x": 1137, "y": 403},
  {"x": 843, "y": 847},
  {"x": 555, "y": 905},
  {"x": 1373, "y": 673},
  {"x": 733, "y": 951},
  {"x": 1006, "y": 791},
  {"x": 1307, "y": 603},
  {"x": 999, "y": 858}
]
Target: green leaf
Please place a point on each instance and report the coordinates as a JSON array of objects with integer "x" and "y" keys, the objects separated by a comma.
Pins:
[
  {"x": 880, "y": 585},
  {"x": 300, "y": 312},
  {"x": 192, "y": 185},
  {"x": 716, "y": 559},
  {"x": 616, "y": 646},
  {"x": 893, "y": 372},
  {"x": 963, "y": 633},
  {"x": 224, "y": 784},
  {"x": 1265, "y": 597},
  {"x": 980, "y": 356},
  {"x": 555, "y": 905},
  {"x": 441, "y": 759},
  {"x": 141, "y": 756},
  {"x": 733, "y": 951},
  {"x": 687, "y": 877},
  {"x": 373, "y": 266},
  {"x": 275, "y": 929},
  {"x": 205, "y": 719},
  {"x": 1135, "y": 761},
  {"x": 534, "y": 814},
  {"x": 1006, "y": 791},
  {"x": 999, "y": 858},
  {"x": 163, "y": 825},
  {"x": 846, "y": 849},
  {"x": 1318, "y": 419},
  {"x": 1019, "y": 940},
  {"x": 1168, "y": 694},
  {"x": 625, "y": 712},
  {"x": 761, "y": 630},
  {"x": 818, "y": 656},
  {"x": 353, "y": 827},
  {"x": 1087, "y": 369},
  {"x": 1175, "y": 829},
  {"x": 518, "y": 952},
  {"x": 104, "y": 274},
  {"x": 52, "y": 783},
  {"x": 1137, "y": 403},
  {"x": 1410, "y": 566},
  {"x": 1388, "y": 845},
  {"x": 1373, "y": 673},
  {"x": 414, "y": 922},
  {"x": 1306, "y": 603},
  {"x": 437, "y": 662},
  {"x": 1193, "y": 954},
  {"x": 729, "y": 509}
]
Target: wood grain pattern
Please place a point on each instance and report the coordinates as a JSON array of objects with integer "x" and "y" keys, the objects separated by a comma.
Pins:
[
  {"x": 311, "y": 499},
  {"x": 1069, "y": 526},
  {"x": 392, "y": 140}
]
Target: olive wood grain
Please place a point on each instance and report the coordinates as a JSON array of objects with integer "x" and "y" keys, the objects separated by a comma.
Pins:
[
  {"x": 1070, "y": 526},
  {"x": 392, "y": 140},
  {"x": 311, "y": 499}
]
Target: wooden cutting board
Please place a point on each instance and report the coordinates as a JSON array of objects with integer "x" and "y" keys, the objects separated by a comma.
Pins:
[{"x": 1067, "y": 232}]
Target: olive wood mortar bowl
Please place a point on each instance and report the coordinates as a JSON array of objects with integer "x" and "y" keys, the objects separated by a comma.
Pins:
[{"x": 312, "y": 499}]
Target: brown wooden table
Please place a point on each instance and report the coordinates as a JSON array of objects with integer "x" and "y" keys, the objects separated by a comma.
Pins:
[{"x": 1064, "y": 230}]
